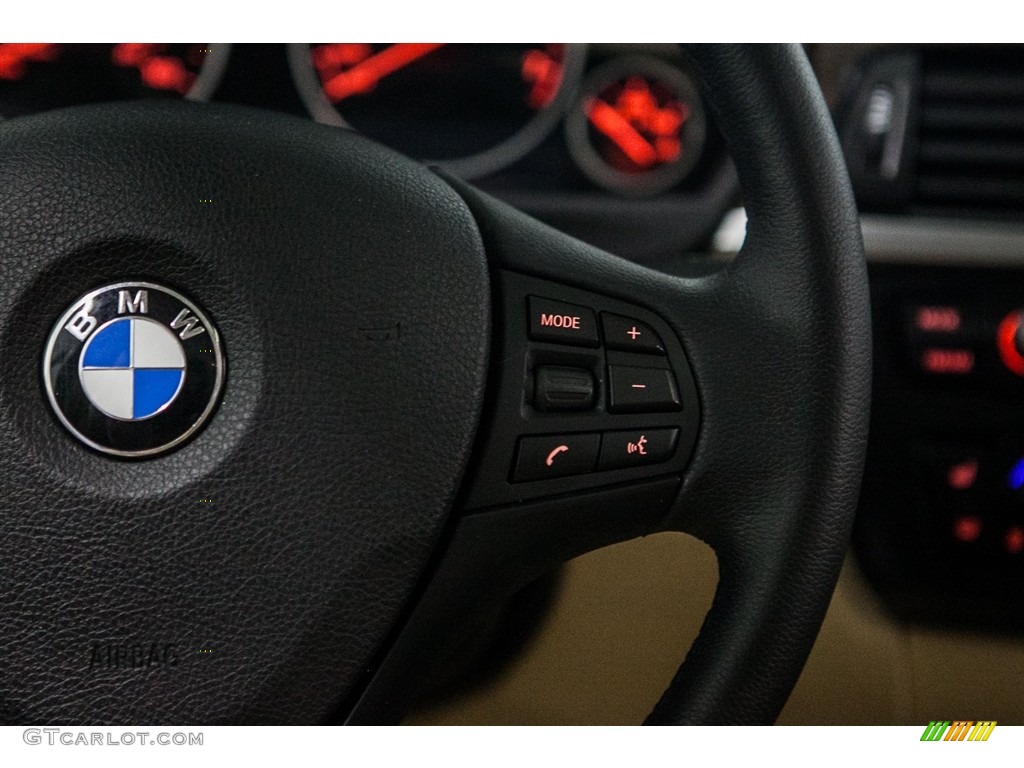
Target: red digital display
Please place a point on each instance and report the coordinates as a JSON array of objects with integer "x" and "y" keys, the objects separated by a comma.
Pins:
[
  {"x": 937, "y": 319},
  {"x": 957, "y": 362}
]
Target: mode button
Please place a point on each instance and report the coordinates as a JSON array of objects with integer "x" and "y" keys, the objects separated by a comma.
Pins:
[{"x": 562, "y": 323}]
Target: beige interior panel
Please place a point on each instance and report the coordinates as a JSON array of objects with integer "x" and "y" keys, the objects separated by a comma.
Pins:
[
  {"x": 625, "y": 615},
  {"x": 869, "y": 668},
  {"x": 623, "y": 618},
  {"x": 961, "y": 677},
  {"x": 859, "y": 670}
]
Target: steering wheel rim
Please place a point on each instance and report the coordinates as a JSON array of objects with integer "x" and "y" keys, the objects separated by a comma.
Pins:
[
  {"x": 353, "y": 591},
  {"x": 789, "y": 110}
]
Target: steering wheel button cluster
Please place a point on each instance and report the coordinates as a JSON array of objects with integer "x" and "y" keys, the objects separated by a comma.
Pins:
[
  {"x": 571, "y": 388},
  {"x": 637, "y": 447},
  {"x": 641, "y": 390},
  {"x": 562, "y": 323},
  {"x": 541, "y": 458},
  {"x": 630, "y": 335}
]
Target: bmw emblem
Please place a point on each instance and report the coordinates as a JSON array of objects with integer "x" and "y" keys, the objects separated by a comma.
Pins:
[{"x": 133, "y": 369}]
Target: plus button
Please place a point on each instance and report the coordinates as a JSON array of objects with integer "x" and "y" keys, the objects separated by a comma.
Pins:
[{"x": 630, "y": 335}]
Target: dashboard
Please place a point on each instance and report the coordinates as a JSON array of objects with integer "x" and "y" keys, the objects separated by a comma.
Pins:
[{"x": 598, "y": 140}]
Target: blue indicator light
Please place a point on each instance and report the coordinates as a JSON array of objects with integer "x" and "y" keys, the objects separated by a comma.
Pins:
[{"x": 1016, "y": 476}]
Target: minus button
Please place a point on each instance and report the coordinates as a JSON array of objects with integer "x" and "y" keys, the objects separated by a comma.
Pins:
[{"x": 641, "y": 390}]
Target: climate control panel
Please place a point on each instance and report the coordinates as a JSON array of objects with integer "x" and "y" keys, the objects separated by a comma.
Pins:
[
  {"x": 940, "y": 529},
  {"x": 979, "y": 343}
]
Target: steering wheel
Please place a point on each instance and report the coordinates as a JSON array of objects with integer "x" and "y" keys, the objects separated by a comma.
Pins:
[{"x": 428, "y": 400}]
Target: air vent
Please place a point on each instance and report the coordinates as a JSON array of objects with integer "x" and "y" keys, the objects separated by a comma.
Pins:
[
  {"x": 955, "y": 127},
  {"x": 877, "y": 125},
  {"x": 970, "y": 155}
]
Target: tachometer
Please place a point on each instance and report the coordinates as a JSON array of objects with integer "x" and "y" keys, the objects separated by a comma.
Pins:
[
  {"x": 38, "y": 76},
  {"x": 471, "y": 108}
]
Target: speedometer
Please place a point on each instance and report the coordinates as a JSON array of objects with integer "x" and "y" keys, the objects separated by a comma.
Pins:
[{"x": 472, "y": 108}]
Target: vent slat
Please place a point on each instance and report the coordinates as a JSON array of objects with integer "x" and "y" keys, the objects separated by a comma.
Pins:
[
  {"x": 974, "y": 86},
  {"x": 971, "y": 190},
  {"x": 973, "y": 118},
  {"x": 971, "y": 153}
]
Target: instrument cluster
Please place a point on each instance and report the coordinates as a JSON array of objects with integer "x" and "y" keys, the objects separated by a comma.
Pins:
[{"x": 562, "y": 130}]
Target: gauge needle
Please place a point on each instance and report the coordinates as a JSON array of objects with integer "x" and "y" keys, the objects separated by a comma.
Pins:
[
  {"x": 618, "y": 129},
  {"x": 367, "y": 73}
]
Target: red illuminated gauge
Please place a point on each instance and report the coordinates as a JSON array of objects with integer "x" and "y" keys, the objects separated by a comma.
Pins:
[
  {"x": 35, "y": 77},
  {"x": 471, "y": 108},
  {"x": 637, "y": 126}
]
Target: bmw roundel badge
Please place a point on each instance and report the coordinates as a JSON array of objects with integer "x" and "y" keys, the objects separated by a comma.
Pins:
[{"x": 133, "y": 369}]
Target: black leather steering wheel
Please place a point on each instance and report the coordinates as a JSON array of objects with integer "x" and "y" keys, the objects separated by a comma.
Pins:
[{"x": 367, "y": 478}]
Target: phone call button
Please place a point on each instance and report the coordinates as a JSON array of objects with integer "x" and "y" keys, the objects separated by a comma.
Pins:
[{"x": 547, "y": 456}]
